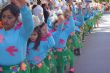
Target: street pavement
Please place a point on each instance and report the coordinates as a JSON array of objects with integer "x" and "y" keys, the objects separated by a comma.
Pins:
[{"x": 95, "y": 55}]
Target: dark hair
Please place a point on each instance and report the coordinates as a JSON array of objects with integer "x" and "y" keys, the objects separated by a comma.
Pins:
[
  {"x": 27, "y": 4},
  {"x": 55, "y": 22},
  {"x": 37, "y": 42},
  {"x": 31, "y": 3},
  {"x": 39, "y": 2},
  {"x": 13, "y": 9},
  {"x": 40, "y": 26},
  {"x": 43, "y": 5},
  {"x": 0, "y": 17},
  {"x": 33, "y": 6}
]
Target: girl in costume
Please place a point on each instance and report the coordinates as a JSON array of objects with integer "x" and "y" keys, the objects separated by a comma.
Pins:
[
  {"x": 87, "y": 12},
  {"x": 14, "y": 36},
  {"x": 50, "y": 59},
  {"x": 73, "y": 40},
  {"x": 60, "y": 34},
  {"x": 38, "y": 46},
  {"x": 86, "y": 19},
  {"x": 70, "y": 55},
  {"x": 78, "y": 22}
]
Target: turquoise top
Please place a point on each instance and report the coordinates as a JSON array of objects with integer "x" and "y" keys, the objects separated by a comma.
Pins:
[{"x": 13, "y": 42}]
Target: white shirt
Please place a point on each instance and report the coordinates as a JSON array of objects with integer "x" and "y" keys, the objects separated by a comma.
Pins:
[
  {"x": 38, "y": 11},
  {"x": 36, "y": 20}
]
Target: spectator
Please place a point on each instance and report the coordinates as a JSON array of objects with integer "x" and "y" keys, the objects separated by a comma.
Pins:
[
  {"x": 45, "y": 12},
  {"x": 38, "y": 11}
]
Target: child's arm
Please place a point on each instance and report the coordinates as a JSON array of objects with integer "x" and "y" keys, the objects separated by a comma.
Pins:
[
  {"x": 28, "y": 23},
  {"x": 77, "y": 23},
  {"x": 59, "y": 29},
  {"x": 51, "y": 41},
  {"x": 49, "y": 23},
  {"x": 71, "y": 26}
]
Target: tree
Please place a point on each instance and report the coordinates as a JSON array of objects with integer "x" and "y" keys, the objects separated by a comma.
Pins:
[{"x": 103, "y": 0}]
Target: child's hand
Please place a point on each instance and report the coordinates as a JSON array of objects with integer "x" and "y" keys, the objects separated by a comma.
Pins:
[
  {"x": 19, "y": 3},
  {"x": 60, "y": 19}
]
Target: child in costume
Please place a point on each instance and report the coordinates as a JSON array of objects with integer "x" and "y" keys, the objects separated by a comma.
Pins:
[
  {"x": 79, "y": 22},
  {"x": 14, "y": 37},
  {"x": 38, "y": 46},
  {"x": 60, "y": 35},
  {"x": 50, "y": 59},
  {"x": 73, "y": 40}
]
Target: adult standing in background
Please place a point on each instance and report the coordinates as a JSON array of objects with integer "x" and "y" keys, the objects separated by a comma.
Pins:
[
  {"x": 45, "y": 11},
  {"x": 51, "y": 4},
  {"x": 38, "y": 11}
]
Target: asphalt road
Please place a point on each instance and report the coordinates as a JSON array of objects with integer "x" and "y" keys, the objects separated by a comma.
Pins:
[{"x": 95, "y": 55}]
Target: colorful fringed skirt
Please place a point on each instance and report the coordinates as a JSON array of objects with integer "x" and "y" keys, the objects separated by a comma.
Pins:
[
  {"x": 19, "y": 68},
  {"x": 40, "y": 68},
  {"x": 74, "y": 42},
  {"x": 50, "y": 61},
  {"x": 63, "y": 57}
]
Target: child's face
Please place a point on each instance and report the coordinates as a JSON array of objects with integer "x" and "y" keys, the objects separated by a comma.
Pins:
[
  {"x": 8, "y": 20},
  {"x": 78, "y": 5},
  {"x": 55, "y": 26},
  {"x": 66, "y": 17},
  {"x": 44, "y": 30},
  {"x": 60, "y": 19},
  {"x": 34, "y": 36}
]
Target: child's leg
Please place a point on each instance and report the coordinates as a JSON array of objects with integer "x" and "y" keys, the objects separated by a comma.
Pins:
[
  {"x": 60, "y": 69},
  {"x": 61, "y": 60},
  {"x": 70, "y": 56}
]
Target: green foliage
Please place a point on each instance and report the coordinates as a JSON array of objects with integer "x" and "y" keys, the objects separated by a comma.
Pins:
[{"x": 103, "y": 0}]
